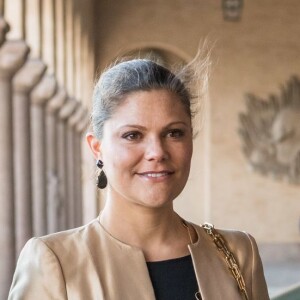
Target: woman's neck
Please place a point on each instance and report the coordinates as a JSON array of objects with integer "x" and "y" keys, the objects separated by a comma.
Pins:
[{"x": 158, "y": 232}]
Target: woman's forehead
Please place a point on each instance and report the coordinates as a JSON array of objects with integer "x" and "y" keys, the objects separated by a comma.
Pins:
[
  {"x": 141, "y": 107},
  {"x": 153, "y": 100}
]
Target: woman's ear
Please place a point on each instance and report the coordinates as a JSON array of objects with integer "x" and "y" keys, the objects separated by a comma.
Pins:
[{"x": 94, "y": 144}]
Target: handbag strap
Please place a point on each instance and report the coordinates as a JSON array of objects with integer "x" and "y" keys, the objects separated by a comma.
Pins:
[{"x": 228, "y": 255}]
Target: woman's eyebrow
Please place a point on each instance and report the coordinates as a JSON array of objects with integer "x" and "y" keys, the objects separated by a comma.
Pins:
[
  {"x": 140, "y": 127},
  {"x": 177, "y": 123},
  {"x": 133, "y": 126}
]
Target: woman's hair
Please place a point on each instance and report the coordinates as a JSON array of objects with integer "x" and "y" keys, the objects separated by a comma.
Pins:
[{"x": 132, "y": 76}]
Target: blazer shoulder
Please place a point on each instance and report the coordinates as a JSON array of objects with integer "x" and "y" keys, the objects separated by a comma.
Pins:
[
  {"x": 244, "y": 248},
  {"x": 38, "y": 266},
  {"x": 237, "y": 237},
  {"x": 240, "y": 243},
  {"x": 233, "y": 238},
  {"x": 71, "y": 237}
]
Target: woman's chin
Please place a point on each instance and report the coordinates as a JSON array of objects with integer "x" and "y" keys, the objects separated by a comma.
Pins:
[{"x": 153, "y": 201}]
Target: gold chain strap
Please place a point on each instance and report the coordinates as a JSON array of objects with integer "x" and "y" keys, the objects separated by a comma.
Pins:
[{"x": 229, "y": 258}]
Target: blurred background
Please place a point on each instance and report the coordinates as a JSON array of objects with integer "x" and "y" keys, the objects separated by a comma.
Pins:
[{"x": 246, "y": 165}]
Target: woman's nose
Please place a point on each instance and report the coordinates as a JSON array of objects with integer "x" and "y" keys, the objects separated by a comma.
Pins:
[{"x": 156, "y": 150}]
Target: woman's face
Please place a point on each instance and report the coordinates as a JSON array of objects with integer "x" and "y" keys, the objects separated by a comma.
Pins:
[{"x": 146, "y": 149}]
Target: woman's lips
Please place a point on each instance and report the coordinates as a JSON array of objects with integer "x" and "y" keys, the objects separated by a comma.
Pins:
[{"x": 155, "y": 175}]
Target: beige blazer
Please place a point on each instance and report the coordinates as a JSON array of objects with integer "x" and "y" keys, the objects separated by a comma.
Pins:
[{"x": 88, "y": 263}]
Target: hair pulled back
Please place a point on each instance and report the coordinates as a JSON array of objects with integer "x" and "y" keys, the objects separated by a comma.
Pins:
[{"x": 132, "y": 76}]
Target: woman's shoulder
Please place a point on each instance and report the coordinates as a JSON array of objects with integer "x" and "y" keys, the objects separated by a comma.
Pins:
[
  {"x": 233, "y": 235},
  {"x": 68, "y": 238},
  {"x": 241, "y": 246},
  {"x": 46, "y": 263},
  {"x": 240, "y": 242}
]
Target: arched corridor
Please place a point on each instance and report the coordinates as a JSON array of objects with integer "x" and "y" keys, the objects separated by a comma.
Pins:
[{"x": 51, "y": 52}]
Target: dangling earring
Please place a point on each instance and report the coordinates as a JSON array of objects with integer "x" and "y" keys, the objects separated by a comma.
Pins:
[{"x": 102, "y": 180}]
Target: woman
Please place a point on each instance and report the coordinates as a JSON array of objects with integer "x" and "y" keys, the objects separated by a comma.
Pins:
[{"x": 138, "y": 247}]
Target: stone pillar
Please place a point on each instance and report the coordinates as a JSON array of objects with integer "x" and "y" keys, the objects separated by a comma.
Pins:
[
  {"x": 33, "y": 26},
  {"x": 39, "y": 96},
  {"x": 2, "y": 7},
  {"x": 70, "y": 176},
  {"x": 54, "y": 202},
  {"x": 12, "y": 57},
  {"x": 89, "y": 189},
  {"x": 78, "y": 181},
  {"x": 77, "y": 33},
  {"x": 48, "y": 31},
  {"x": 69, "y": 48},
  {"x": 74, "y": 162},
  {"x": 80, "y": 128},
  {"x": 60, "y": 41},
  {"x": 63, "y": 154},
  {"x": 62, "y": 166},
  {"x": 14, "y": 15},
  {"x": 24, "y": 81}
]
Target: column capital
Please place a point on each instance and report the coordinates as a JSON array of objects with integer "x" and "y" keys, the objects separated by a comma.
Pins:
[
  {"x": 44, "y": 90},
  {"x": 12, "y": 56},
  {"x": 79, "y": 114},
  {"x": 29, "y": 75},
  {"x": 83, "y": 124},
  {"x": 57, "y": 101},
  {"x": 68, "y": 108}
]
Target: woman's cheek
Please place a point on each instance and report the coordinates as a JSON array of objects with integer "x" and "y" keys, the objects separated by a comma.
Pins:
[{"x": 125, "y": 156}]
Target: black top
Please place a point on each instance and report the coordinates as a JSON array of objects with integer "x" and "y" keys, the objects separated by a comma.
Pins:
[{"x": 174, "y": 279}]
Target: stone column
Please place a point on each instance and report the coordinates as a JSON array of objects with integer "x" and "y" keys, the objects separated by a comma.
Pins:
[
  {"x": 90, "y": 207},
  {"x": 54, "y": 202},
  {"x": 60, "y": 41},
  {"x": 39, "y": 96},
  {"x": 69, "y": 46},
  {"x": 48, "y": 32},
  {"x": 13, "y": 13},
  {"x": 78, "y": 181},
  {"x": 63, "y": 154},
  {"x": 12, "y": 57},
  {"x": 24, "y": 81},
  {"x": 33, "y": 26},
  {"x": 74, "y": 161},
  {"x": 70, "y": 176},
  {"x": 80, "y": 128}
]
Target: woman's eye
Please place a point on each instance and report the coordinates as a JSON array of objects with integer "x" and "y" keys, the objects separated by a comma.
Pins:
[
  {"x": 132, "y": 136},
  {"x": 175, "y": 133}
]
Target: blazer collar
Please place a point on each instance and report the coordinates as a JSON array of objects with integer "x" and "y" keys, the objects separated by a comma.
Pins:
[{"x": 213, "y": 276}]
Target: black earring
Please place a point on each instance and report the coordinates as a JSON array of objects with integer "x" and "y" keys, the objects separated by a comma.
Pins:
[{"x": 102, "y": 180}]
